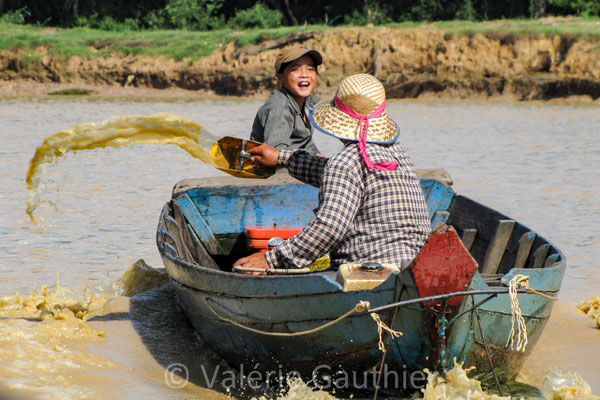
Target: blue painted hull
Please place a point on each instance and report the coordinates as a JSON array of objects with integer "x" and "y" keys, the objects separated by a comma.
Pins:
[{"x": 215, "y": 215}]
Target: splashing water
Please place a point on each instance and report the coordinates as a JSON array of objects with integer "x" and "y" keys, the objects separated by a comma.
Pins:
[
  {"x": 139, "y": 278},
  {"x": 566, "y": 386},
  {"x": 48, "y": 332},
  {"x": 45, "y": 337},
  {"x": 591, "y": 308},
  {"x": 161, "y": 128},
  {"x": 455, "y": 385},
  {"x": 297, "y": 389},
  {"x": 67, "y": 304}
]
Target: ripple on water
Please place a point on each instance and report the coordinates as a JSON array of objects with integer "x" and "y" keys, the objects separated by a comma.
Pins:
[{"x": 535, "y": 163}]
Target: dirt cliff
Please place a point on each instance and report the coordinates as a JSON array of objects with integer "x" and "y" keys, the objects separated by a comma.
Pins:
[{"x": 412, "y": 63}]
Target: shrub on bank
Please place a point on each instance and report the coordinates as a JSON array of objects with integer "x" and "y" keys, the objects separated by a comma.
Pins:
[
  {"x": 259, "y": 16},
  {"x": 207, "y": 15},
  {"x": 16, "y": 17}
]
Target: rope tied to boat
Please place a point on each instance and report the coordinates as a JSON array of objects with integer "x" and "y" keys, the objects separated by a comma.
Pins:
[
  {"x": 361, "y": 306},
  {"x": 520, "y": 343},
  {"x": 381, "y": 326},
  {"x": 516, "y": 317}
]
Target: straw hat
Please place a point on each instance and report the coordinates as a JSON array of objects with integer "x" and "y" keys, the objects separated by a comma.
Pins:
[{"x": 364, "y": 95}]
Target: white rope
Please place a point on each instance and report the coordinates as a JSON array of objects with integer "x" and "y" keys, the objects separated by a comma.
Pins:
[{"x": 520, "y": 343}]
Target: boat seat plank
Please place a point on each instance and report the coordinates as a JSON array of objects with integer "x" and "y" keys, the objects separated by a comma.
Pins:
[
  {"x": 525, "y": 243},
  {"x": 436, "y": 174},
  {"x": 204, "y": 258},
  {"x": 495, "y": 251},
  {"x": 539, "y": 256},
  {"x": 169, "y": 242},
  {"x": 173, "y": 229},
  {"x": 468, "y": 237},
  {"x": 551, "y": 260},
  {"x": 192, "y": 242},
  {"x": 438, "y": 197},
  {"x": 178, "y": 216},
  {"x": 227, "y": 210},
  {"x": 199, "y": 225},
  {"x": 171, "y": 249}
]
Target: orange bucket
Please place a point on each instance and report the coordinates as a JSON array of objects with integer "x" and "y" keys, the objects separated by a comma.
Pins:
[{"x": 259, "y": 235}]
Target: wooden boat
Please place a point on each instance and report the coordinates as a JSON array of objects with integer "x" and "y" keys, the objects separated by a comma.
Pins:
[{"x": 201, "y": 233}]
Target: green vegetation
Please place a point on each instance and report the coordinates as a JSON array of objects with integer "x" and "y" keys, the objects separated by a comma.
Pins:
[
  {"x": 258, "y": 16},
  {"x": 205, "y": 15},
  {"x": 172, "y": 44},
  {"x": 577, "y": 27},
  {"x": 192, "y": 45},
  {"x": 83, "y": 42},
  {"x": 72, "y": 92}
]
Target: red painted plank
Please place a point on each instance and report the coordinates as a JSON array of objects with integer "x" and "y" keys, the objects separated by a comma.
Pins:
[{"x": 444, "y": 265}]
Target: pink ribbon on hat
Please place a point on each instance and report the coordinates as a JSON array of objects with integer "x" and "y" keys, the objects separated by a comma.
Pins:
[{"x": 362, "y": 135}]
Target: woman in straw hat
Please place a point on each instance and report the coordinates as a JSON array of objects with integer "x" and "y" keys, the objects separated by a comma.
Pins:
[
  {"x": 283, "y": 121},
  {"x": 371, "y": 207}
]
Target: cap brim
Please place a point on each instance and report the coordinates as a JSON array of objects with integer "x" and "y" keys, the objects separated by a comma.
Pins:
[{"x": 314, "y": 54}]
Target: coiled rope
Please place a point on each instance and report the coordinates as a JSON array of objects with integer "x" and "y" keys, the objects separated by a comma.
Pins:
[{"x": 516, "y": 320}]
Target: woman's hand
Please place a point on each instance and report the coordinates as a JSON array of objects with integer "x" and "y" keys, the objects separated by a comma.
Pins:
[
  {"x": 264, "y": 155},
  {"x": 256, "y": 260}
]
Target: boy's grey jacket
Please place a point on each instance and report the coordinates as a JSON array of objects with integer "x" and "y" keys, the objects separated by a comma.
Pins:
[{"x": 279, "y": 123}]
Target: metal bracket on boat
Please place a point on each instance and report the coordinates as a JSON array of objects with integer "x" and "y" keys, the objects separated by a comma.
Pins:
[{"x": 273, "y": 271}]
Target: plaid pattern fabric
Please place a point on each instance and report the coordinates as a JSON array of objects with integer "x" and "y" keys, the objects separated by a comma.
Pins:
[{"x": 363, "y": 215}]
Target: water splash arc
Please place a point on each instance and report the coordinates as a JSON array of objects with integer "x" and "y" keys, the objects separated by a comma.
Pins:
[{"x": 161, "y": 128}]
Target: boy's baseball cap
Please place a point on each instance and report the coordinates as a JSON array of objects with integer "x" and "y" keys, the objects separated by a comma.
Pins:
[{"x": 292, "y": 53}]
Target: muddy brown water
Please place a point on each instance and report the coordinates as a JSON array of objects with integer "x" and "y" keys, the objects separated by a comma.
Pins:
[{"x": 537, "y": 163}]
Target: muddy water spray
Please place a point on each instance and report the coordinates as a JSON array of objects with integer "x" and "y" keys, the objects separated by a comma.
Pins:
[{"x": 161, "y": 128}]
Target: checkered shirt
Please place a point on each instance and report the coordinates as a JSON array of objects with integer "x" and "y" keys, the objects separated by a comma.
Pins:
[{"x": 363, "y": 215}]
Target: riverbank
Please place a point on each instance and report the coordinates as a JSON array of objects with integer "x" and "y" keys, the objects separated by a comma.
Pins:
[
  {"x": 491, "y": 60},
  {"x": 24, "y": 89}
]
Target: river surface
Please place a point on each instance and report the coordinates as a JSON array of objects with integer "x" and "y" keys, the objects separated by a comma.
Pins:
[{"x": 537, "y": 163}]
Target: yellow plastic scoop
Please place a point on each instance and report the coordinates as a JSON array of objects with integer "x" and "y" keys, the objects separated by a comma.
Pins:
[{"x": 230, "y": 154}]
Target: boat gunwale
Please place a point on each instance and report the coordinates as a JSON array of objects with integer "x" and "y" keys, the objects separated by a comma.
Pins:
[{"x": 160, "y": 243}]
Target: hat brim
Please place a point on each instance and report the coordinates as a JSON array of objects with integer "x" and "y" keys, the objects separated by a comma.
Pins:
[
  {"x": 334, "y": 122},
  {"x": 314, "y": 54}
]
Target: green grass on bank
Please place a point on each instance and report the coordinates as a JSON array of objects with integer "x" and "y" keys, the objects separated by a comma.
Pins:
[
  {"x": 577, "y": 27},
  {"x": 84, "y": 42}
]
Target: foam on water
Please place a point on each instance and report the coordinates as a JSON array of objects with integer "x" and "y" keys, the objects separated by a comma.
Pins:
[
  {"x": 591, "y": 308},
  {"x": 567, "y": 386},
  {"x": 46, "y": 338}
]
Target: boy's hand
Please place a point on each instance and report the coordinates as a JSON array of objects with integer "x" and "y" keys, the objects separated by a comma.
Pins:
[{"x": 264, "y": 155}]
